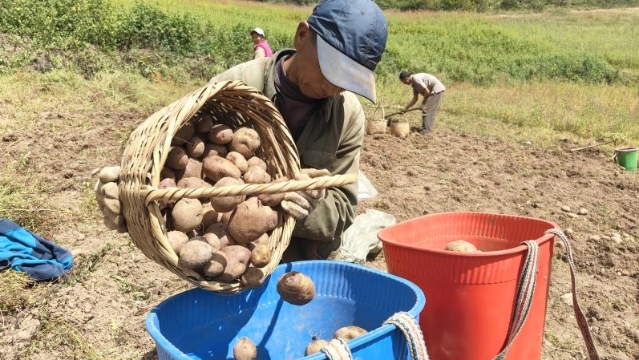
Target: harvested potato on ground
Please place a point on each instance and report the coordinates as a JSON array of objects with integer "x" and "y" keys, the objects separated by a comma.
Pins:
[
  {"x": 245, "y": 141},
  {"x": 245, "y": 349},
  {"x": 347, "y": 333},
  {"x": 109, "y": 174},
  {"x": 238, "y": 160},
  {"x": 211, "y": 149},
  {"x": 110, "y": 190},
  {"x": 183, "y": 135},
  {"x": 177, "y": 159},
  {"x": 216, "y": 167},
  {"x": 193, "y": 169},
  {"x": 296, "y": 288},
  {"x": 216, "y": 266},
  {"x": 252, "y": 278},
  {"x": 255, "y": 161},
  {"x": 220, "y": 134},
  {"x": 250, "y": 220},
  {"x": 195, "y": 254},
  {"x": 256, "y": 175},
  {"x": 204, "y": 124},
  {"x": 192, "y": 183},
  {"x": 186, "y": 215},
  {"x": 273, "y": 199},
  {"x": 227, "y": 203},
  {"x": 195, "y": 147},
  {"x": 260, "y": 255},
  {"x": 209, "y": 215},
  {"x": 315, "y": 346},
  {"x": 262, "y": 240},
  {"x": 461, "y": 246},
  {"x": 113, "y": 205},
  {"x": 177, "y": 239},
  {"x": 237, "y": 258}
]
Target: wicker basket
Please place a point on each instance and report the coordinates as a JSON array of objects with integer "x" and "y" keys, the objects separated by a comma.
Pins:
[
  {"x": 375, "y": 125},
  {"x": 233, "y": 104}
]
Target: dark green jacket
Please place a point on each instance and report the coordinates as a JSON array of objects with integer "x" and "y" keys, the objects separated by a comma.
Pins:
[{"x": 331, "y": 140}]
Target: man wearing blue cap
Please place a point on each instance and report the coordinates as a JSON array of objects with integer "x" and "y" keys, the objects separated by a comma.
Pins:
[{"x": 314, "y": 86}]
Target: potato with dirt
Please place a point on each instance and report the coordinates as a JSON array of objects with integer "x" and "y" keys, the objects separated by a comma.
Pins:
[
  {"x": 347, "y": 333},
  {"x": 256, "y": 175},
  {"x": 244, "y": 349},
  {"x": 193, "y": 169},
  {"x": 177, "y": 159},
  {"x": 183, "y": 135},
  {"x": 296, "y": 288},
  {"x": 237, "y": 259},
  {"x": 255, "y": 161},
  {"x": 315, "y": 346},
  {"x": 195, "y": 254},
  {"x": 204, "y": 124},
  {"x": 215, "y": 266},
  {"x": 260, "y": 255},
  {"x": 211, "y": 149},
  {"x": 177, "y": 239},
  {"x": 195, "y": 147},
  {"x": 252, "y": 278},
  {"x": 223, "y": 204},
  {"x": 220, "y": 134},
  {"x": 250, "y": 220},
  {"x": 273, "y": 199},
  {"x": 221, "y": 231},
  {"x": 238, "y": 160},
  {"x": 245, "y": 141},
  {"x": 462, "y": 246},
  {"x": 216, "y": 167},
  {"x": 186, "y": 215}
]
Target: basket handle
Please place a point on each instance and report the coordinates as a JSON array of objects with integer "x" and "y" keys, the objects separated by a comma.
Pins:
[{"x": 151, "y": 193}]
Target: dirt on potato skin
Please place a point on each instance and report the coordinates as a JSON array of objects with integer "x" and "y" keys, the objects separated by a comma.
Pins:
[{"x": 99, "y": 308}]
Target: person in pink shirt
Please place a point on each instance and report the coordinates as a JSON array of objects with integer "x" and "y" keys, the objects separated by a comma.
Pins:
[{"x": 260, "y": 46}]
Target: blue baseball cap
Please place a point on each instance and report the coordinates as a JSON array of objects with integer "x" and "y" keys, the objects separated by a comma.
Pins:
[{"x": 351, "y": 37}]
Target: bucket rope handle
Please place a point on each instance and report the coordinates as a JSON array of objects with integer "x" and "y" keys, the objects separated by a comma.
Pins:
[
  {"x": 526, "y": 289},
  {"x": 337, "y": 349}
]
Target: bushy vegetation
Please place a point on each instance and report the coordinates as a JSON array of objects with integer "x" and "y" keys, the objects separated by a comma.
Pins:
[{"x": 166, "y": 39}]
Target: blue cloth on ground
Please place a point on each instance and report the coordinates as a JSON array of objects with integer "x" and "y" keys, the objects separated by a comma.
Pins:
[{"x": 25, "y": 251}]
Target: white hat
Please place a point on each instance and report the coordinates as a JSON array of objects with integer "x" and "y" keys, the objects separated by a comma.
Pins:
[{"x": 258, "y": 31}]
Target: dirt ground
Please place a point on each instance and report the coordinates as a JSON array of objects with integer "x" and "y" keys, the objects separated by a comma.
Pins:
[{"x": 98, "y": 310}]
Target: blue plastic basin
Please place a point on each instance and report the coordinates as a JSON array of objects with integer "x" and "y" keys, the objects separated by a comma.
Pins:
[{"x": 198, "y": 324}]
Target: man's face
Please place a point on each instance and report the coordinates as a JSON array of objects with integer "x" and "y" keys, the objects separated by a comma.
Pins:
[
  {"x": 406, "y": 80},
  {"x": 310, "y": 79}
]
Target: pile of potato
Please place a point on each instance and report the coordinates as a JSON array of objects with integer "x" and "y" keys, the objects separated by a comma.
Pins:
[{"x": 223, "y": 238}]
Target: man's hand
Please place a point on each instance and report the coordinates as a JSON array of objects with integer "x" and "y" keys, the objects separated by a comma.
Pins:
[
  {"x": 301, "y": 203},
  {"x": 108, "y": 196}
]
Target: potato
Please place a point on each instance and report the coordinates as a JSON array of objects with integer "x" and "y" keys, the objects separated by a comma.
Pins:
[
  {"x": 238, "y": 160},
  {"x": 260, "y": 255},
  {"x": 255, "y": 161},
  {"x": 256, "y": 175},
  {"x": 220, "y": 134},
  {"x": 250, "y": 220},
  {"x": 220, "y": 230},
  {"x": 167, "y": 173},
  {"x": 227, "y": 203},
  {"x": 252, "y": 278},
  {"x": 113, "y": 205},
  {"x": 177, "y": 159},
  {"x": 237, "y": 257},
  {"x": 195, "y": 147},
  {"x": 216, "y": 167},
  {"x": 195, "y": 254},
  {"x": 244, "y": 349},
  {"x": 110, "y": 190},
  {"x": 193, "y": 169},
  {"x": 212, "y": 240},
  {"x": 109, "y": 174},
  {"x": 186, "y": 215},
  {"x": 347, "y": 333},
  {"x": 216, "y": 266},
  {"x": 214, "y": 149},
  {"x": 209, "y": 215},
  {"x": 296, "y": 288},
  {"x": 183, "y": 135},
  {"x": 315, "y": 346},
  {"x": 262, "y": 240},
  {"x": 461, "y": 246},
  {"x": 245, "y": 141},
  {"x": 177, "y": 239},
  {"x": 167, "y": 183},
  {"x": 273, "y": 199},
  {"x": 192, "y": 183},
  {"x": 225, "y": 218},
  {"x": 204, "y": 124}
]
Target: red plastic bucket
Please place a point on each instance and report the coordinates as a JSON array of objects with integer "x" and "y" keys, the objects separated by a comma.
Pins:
[{"x": 471, "y": 296}]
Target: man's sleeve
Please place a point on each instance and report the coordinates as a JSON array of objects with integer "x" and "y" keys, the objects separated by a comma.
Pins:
[{"x": 336, "y": 212}]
